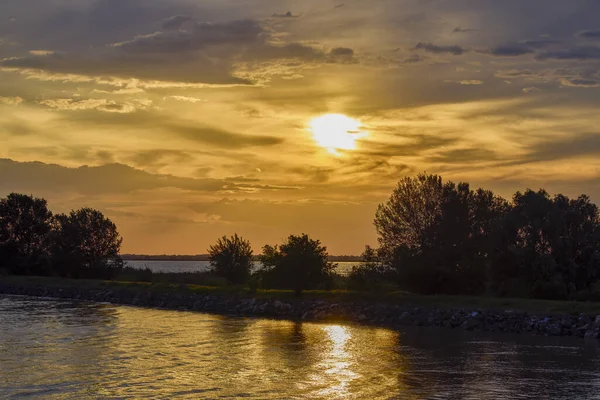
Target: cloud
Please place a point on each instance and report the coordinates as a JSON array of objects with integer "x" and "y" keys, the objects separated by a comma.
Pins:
[
  {"x": 458, "y": 29},
  {"x": 11, "y": 101},
  {"x": 463, "y": 156},
  {"x": 286, "y": 15},
  {"x": 471, "y": 82},
  {"x": 192, "y": 131},
  {"x": 414, "y": 59},
  {"x": 573, "y": 145},
  {"x": 186, "y": 98},
  {"x": 107, "y": 179},
  {"x": 175, "y": 22},
  {"x": 592, "y": 34},
  {"x": 580, "y": 82},
  {"x": 341, "y": 52},
  {"x": 160, "y": 157},
  {"x": 432, "y": 48},
  {"x": 201, "y": 53},
  {"x": 91, "y": 104},
  {"x": 582, "y": 53},
  {"x": 514, "y": 73},
  {"x": 509, "y": 50}
]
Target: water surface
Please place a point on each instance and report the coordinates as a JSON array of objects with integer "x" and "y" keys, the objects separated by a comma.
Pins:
[
  {"x": 343, "y": 267},
  {"x": 70, "y": 350}
]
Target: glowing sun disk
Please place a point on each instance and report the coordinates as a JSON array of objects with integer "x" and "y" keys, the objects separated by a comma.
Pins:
[{"x": 336, "y": 132}]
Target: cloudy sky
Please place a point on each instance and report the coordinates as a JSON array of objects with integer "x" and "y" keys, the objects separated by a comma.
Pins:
[{"x": 183, "y": 120}]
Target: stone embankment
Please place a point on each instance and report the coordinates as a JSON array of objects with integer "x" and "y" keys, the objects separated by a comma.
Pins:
[{"x": 371, "y": 313}]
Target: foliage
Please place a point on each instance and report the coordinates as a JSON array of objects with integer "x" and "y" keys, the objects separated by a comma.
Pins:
[
  {"x": 550, "y": 245},
  {"x": 436, "y": 235},
  {"x": 86, "y": 244},
  {"x": 25, "y": 223},
  {"x": 231, "y": 258},
  {"x": 300, "y": 263},
  {"x": 370, "y": 274}
]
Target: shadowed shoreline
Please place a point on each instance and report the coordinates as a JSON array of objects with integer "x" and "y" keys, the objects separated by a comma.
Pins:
[{"x": 541, "y": 317}]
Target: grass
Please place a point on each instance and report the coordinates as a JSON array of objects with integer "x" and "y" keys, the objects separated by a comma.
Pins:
[{"x": 533, "y": 306}]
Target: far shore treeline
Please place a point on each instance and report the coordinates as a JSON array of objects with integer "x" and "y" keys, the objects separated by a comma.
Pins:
[{"x": 435, "y": 237}]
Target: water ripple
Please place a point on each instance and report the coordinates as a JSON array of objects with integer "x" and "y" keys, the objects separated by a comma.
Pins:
[{"x": 63, "y": 349}]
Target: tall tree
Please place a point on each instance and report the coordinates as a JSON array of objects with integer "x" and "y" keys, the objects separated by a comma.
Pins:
[
  {"x": 300, "y": 263},
  {"x": 86, "y": 244},
  {"x": 25, "y": 223},
  {"x": 231, "y": 258}
]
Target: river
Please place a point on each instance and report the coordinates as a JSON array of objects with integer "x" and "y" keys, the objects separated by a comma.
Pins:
[
  {"x": 343, "y": 267},
  {"x": 52, "y": 349}
]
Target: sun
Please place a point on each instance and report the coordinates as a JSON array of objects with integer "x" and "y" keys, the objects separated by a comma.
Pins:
[{"x": 336, "y": 132}]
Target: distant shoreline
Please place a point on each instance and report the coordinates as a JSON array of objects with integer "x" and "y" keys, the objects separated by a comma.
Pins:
[{"x": 205, "y": 257}]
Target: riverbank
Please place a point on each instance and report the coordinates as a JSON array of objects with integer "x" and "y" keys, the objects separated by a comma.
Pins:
[{"x": 542, "y": 317}]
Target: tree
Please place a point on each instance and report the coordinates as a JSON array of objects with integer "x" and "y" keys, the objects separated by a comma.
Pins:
[
  {"x": 411, "y": 210},
  {"x": 370, "y": 274},
  {"x": 436, "y": 235},
  {"x": 86, "y": 244},
  {"x": 300, "y": 263},
  {"x": 25, "y": 223},
  {"x": 231, "y": 258},
  {"x": 547, "y": 247}
]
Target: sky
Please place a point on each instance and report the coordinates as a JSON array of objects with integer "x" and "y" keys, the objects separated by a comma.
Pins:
[{"x": 184, "y": 120}]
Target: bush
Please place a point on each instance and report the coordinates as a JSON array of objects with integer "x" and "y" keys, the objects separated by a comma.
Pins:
[{"x": 231, "y": 258}]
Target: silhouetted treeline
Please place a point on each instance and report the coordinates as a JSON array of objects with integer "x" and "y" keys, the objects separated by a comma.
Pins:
[
  {"x": 438, "y": 237},
  {"x": 434, "y": 237},
  {"x": 33, "y": 241}
]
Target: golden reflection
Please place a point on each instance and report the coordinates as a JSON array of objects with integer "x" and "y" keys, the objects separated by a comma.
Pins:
[
  {"x": 338, "y": 364},
  {"x": 336, "y": 132}
]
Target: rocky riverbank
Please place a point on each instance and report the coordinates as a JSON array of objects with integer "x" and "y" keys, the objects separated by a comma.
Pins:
[{"x": 364, "y": 312}]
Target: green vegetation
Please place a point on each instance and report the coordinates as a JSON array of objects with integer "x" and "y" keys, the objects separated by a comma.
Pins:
[
  {"x": 300, "y": 263},
  {"x": 231, "y": 258}
]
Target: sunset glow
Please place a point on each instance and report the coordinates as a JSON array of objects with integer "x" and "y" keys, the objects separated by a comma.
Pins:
[
  {"x": 183, "y": 121},
  {"x": 336, "y": 132}
]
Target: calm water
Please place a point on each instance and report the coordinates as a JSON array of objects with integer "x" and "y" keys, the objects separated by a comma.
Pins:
[
  {"x": 68, "y": 350},
  {"x": 192, "y": 266}
]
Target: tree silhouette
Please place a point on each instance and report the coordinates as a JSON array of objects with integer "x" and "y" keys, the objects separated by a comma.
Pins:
[
  {"x": 25, "y": 223},
  {"x": 86, "y": 244},
  {"x": 231, "y": 258},
  {"x": 299, "y": 264}
]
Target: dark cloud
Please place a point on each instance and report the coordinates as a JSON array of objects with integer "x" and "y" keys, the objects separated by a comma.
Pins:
[
  {"x": 204, "y": 53},
  {"x": 463, "y": 156},
  {"x": 458, "y": 29},
  {"x": 509, "y": 50},
  {"x": 107, "y": 180},
  {"x": 432, "y": 48},
  {"x": 593, "y": 34},
  {"x": 576, "y": 53},
  {"x": 286, "y": 15},
  {"x": 570, "y": 146},
  {"x": 514, "y": 73},
  {"x": 540, "y": 43},
  {"x": 342, "y": 52},
  {"x": 413, "y": 59},
  {"x": 581, "y": 82}
]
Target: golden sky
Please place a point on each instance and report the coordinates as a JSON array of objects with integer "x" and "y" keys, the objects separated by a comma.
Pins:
[{"x": 183, "y": 120}]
